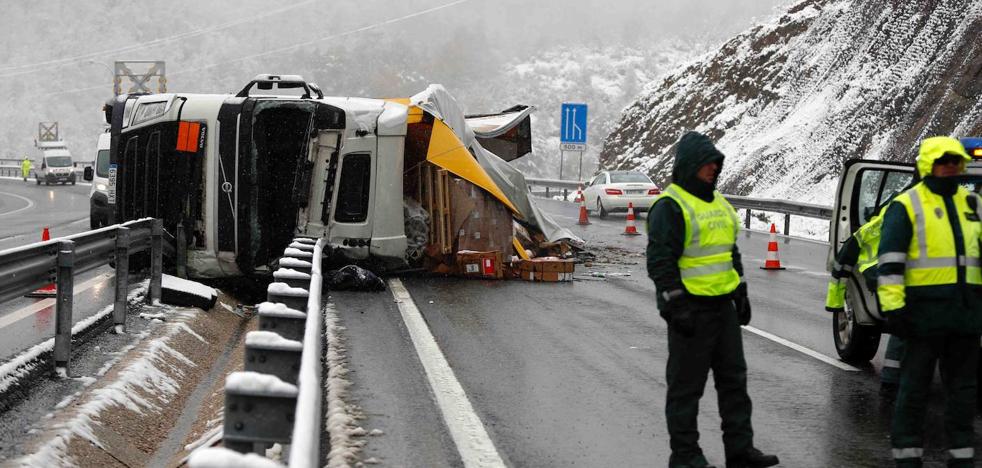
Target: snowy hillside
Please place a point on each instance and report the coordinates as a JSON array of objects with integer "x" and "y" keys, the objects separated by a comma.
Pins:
[{"x": 788, "y": 101}]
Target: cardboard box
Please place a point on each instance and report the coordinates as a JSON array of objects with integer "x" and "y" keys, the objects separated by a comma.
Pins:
[
  {"x": 472, "y": 264},
  {"x": 479, "y": 221},
  {"x": 547, "y": 269}
]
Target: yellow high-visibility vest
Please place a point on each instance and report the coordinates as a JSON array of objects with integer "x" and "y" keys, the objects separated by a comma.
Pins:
[
  {"x": 931, "y": 258},
  {"x": 706, "y": 264}
]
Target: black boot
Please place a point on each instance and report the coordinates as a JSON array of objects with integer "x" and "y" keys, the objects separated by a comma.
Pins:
[{"x": 752, "y": 458}]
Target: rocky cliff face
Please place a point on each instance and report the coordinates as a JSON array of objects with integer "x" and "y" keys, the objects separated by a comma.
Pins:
[{"x": 827, "y": 81}]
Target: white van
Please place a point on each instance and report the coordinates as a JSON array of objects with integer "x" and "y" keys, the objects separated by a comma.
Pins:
[
  {"x": 57, "y": 165},
  {"x": 99, "y": 176}
]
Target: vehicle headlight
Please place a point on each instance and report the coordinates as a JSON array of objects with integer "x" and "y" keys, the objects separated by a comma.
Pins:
[{"x": 101, "y": 187}]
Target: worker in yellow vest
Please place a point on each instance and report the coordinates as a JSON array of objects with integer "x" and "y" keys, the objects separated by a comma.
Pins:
[
  {"x": 929, "y": 287},
  {"x": 859, "y": 253},
  {"x": 694, "y": 261},
  {"x": 25, "y": 168}
]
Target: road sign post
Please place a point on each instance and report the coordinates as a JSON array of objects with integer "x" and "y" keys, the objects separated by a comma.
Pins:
[{"x": 572, "y": 134}]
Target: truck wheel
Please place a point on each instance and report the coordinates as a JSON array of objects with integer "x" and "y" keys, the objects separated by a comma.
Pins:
[{"x": 855, "y": 343}]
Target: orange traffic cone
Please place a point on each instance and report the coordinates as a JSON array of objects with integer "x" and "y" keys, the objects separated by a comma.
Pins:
[
  {"x": 584, "y": 220},
  {"x": 630, "y": 229},
  {"x": 773, "y": 261},
  {"x": 49, "y": 290},
  {"x": 579, "y": 196}
]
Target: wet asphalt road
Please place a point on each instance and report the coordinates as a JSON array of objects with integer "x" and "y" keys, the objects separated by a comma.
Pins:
[
  {"x": 562, "y": 374},
  {"x": 573, "y": 374}
]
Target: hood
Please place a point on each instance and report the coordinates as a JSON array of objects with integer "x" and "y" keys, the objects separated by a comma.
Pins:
[
  {"x": 693, "y": 151},
  {"x": 934, "y": 148}
]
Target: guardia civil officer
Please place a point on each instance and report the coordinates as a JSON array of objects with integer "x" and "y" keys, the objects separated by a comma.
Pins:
[
  {"x": 929, "y": 284},
  {"x": 694, "y": 262},
  {"x": 859, "y": 253}
]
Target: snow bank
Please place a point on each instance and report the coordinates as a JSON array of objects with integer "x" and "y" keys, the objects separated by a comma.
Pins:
[
  {"x": 220, "y": 457},
  {"x": 340, "y": 424},
  {"x": 293, "y": 252},
  {"x": 271, "y": 340},
  {"x": 305, "y": 240},
  {"x": 290, "y": 262},
  {"x": 287, "y": 273},
  {"x": 283, "y": 289},
  {"x": 23, "y": 364},
  {"x": 144, "y": 384},
  {"x": 190, "y": 287},
  {"x": 277, "y": 309},
  {"x": 301, "y": 246},
  {"x": 254, "y": 383}
]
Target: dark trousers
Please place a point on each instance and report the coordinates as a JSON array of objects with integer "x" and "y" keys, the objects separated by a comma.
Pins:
[
  {"x": 717, "y": 345},
  {"x": 892, "y": 358},
  {"x": 958, "y": 357}
]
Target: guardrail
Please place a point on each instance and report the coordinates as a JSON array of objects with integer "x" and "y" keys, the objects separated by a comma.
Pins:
[
  {"x": 278, "y": 398},
  {"x": 15, "y": 171},
  {"x": 24, "y": 270},
  {"x": 771, "y": 205}
]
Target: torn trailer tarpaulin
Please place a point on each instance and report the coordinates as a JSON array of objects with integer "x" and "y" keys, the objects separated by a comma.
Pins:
[{"x": 508, "y": 182}]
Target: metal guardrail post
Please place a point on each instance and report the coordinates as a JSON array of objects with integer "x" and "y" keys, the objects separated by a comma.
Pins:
[
  {"x": 156, "y": 259},
  {"x": 787, "y": 223},
  {"x": 181, "y": 251},
  {"x": 746, "y": 220},
  {"x": 63, "y": 305},
  {"x": 122, "y": 278}
]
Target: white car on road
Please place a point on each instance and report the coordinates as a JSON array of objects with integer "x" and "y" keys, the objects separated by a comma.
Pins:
[{"x": 612, "y": 190}]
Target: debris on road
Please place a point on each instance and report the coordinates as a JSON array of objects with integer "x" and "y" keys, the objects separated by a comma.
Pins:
[{"x": 353, "y": 278}]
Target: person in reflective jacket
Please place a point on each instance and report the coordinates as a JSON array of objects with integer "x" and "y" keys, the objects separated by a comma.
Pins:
[
  {"x": 929, "y": 286},
  {"x": 859, "y": 253},
  {"x": 25, "y": 168},
  {"x": 694, "y": 261}
]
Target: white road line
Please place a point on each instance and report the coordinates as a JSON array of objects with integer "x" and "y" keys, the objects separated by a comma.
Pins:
[
  {"x": 38, "y": 306},
  {"x": 802, "y": 349},
  {"x": 30, "y": 204},
  {"x": 475, "y": 447}
]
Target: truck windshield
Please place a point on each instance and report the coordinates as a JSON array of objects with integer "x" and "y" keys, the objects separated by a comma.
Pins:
[
  {"x": 59, "y": 161},
  {"x": 102, "y": 163}
]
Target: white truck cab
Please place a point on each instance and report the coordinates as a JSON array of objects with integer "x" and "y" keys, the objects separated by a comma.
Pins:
[
  {"x": 99, "y": 176},
  {"x": 863, "y": 187}
]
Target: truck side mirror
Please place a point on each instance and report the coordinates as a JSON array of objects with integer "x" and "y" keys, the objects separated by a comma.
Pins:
[
  {"x": 87, "y": 173},
  {"x": 74, "y": 164}
]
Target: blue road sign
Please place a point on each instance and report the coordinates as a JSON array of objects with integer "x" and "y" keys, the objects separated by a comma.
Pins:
[{"x": 572, "y": 131}]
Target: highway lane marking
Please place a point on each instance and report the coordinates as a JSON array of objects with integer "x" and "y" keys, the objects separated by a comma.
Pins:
[
  {"x": 801, "y": 349},
  {"x": 30, "y": 204},
  {"x": 468, "y": 433},
  {"x": 36, "y": 307}
]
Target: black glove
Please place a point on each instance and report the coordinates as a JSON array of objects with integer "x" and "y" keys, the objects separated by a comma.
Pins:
[
  {"x": 898, "y": 323},
  {"x": 742, "y": 303},
  {"x": 681, "y": 316}
]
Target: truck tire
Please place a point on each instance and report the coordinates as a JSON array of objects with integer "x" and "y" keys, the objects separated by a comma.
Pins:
[{"x": 855, "y": 343}]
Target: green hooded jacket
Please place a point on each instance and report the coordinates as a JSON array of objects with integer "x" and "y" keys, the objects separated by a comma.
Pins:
[{"x": 666, "y": 225}]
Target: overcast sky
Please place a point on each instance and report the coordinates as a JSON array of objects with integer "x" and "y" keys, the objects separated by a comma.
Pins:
[{"x": 56, "y": 55}]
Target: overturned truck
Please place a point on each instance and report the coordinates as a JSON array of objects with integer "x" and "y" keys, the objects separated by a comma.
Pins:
[{"x": 236, "y": 177}]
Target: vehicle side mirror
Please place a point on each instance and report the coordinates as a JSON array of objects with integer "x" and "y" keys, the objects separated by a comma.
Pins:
[
  {"x": 74, "y": 164},
  {"x": 87, "y": 174}
]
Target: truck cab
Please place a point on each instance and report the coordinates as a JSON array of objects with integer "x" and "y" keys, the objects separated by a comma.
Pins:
[
  {"x": 864, "y": 186},
  {"x": 98, "y": 174},
  {"x": 236, "y": 177}
]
